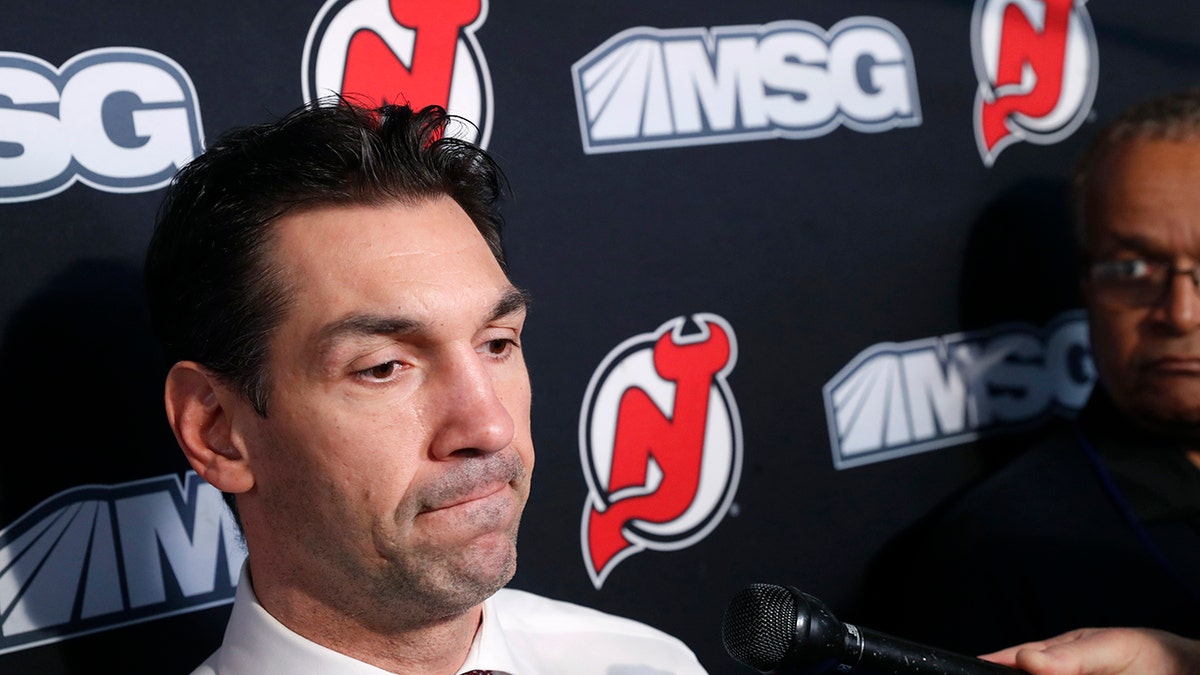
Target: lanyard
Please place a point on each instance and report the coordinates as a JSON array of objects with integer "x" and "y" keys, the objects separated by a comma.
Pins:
[{"x": 1139, "y": 528}]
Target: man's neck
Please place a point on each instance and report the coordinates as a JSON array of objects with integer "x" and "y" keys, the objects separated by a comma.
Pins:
[{"x": 435, "y": 647}]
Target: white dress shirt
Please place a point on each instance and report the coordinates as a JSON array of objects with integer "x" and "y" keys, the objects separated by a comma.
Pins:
[{"x": 521, "y": 634}]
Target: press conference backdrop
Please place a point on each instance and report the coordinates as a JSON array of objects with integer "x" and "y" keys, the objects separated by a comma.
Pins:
[{"x": 845, "y": 220}]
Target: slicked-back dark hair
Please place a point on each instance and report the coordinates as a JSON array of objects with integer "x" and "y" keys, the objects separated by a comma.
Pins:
[{"x": 215, "y": 296}]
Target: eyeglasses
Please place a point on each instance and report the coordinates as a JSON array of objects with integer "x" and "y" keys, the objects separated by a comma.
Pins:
[{"x": 1136, "y": 283}]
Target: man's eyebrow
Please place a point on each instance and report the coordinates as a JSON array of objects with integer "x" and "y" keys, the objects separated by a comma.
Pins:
[
  {"x": 513, "y": 301},
  {"x": 368, "y": 324},
  {"x": 1137, "y": 241}
]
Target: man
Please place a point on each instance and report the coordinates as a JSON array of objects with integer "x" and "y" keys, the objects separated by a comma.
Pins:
[
  {"x": 331, "y": 289},
  {"x": 1098, "y": 524}
]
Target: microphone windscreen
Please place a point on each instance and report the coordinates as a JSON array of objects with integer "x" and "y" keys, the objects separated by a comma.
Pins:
[{"x": 759, "y": 625}]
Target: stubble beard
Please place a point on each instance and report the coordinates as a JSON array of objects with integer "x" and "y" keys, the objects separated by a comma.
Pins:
[
  {"x": 415, "y": 585},
  {"x": 423, "y": 586},
  {"x": 410, "y": 583}
]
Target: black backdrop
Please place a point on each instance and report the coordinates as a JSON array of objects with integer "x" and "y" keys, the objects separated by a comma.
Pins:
[{"x": 827, "y": 202}]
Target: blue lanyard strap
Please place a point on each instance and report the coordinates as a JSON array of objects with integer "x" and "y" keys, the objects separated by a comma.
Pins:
[{"x": 1139, "y": 528}]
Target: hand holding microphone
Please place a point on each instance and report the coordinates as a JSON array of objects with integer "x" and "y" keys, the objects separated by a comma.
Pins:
[{"x": 778, "y": 629}]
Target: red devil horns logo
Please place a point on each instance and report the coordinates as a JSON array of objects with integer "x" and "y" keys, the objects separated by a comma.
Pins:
[{"x": 661, "y": 443}]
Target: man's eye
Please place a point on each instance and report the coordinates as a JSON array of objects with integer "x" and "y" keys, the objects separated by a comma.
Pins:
[
  {"x": 1124, "y": 270},
  {"x": 500, "y": 346},
  {"x": 382, "y": 371},
  {"x": 1133, "y": 269}
]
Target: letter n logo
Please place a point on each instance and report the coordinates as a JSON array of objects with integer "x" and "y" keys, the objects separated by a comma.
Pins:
[
  {"x": 402, "y": 51},
  {"x": 1037, "y": 66},
  {"x": 660, "y": 441}
]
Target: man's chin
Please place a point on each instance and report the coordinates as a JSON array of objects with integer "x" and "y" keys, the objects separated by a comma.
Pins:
[
  {"x": 484, "y": 567},
  {"x": 495, "y": 564},
  {"x": 472, "y": 585},
  {"x": 1172, "y": 418}
]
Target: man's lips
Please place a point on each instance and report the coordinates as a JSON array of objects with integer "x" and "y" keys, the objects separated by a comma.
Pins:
[
  {"x": 1173, "y": 365},
  {"x": 476, "y": 481},
  {"x": 478, "y": 494}
]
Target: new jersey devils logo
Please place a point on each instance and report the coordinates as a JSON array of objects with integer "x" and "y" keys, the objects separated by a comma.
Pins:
[
  {"x": 1037, "y": 68},
  {"x": 661, "y": 442},
  {"x": 402, "y": 51}
]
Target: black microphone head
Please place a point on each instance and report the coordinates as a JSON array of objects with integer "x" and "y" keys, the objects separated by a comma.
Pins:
[
  {"x": 768, "y": 626},
  {"x": 759, "y": 624}
]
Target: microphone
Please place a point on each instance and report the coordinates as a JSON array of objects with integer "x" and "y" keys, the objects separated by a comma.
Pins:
[{"x": 778, "y": 629}]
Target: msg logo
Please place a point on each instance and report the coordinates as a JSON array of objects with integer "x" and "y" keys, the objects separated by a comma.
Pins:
[
  {"x": 647, "y": 88},
  {"x": 898, "y": 399},
  {"x": 97, "y": 557},
  {"x": 118, "y": 119}
]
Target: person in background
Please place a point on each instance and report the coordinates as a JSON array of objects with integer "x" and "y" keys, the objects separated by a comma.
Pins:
[
  {"x": 347, "y": 367},
  {"x": 1098, "y": 523}
]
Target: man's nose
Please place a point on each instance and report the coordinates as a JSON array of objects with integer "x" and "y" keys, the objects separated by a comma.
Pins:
[
  {"x": 1180, "y": 309},
  {"x": 469, "y": 414}
]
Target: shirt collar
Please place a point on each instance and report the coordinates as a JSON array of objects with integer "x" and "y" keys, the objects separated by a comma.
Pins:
[
  {"x": 256, "y": 642},
  {"x": 490, "y": 649}
]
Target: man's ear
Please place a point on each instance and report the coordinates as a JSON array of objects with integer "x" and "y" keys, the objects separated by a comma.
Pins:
[{"x": 199, "y": 410}]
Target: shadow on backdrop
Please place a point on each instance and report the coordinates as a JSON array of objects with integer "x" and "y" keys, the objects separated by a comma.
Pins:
[
  {"x": 1021, "y": 261},
  {"x": 82, "y": 405},
  {"x": 1021, "y": 265}
]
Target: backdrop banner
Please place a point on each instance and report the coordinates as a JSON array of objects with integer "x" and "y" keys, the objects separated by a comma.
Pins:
[{"x": 846, "y": 222}]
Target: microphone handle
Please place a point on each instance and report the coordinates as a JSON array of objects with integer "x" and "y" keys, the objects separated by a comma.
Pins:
[{"x": 878, "y": 654}]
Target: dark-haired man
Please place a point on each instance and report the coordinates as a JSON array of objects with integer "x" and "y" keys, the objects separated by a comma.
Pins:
[
  {"x": 1099, "y": 523},
  {"x": 332, "y": 292}
]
